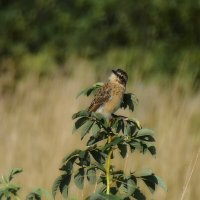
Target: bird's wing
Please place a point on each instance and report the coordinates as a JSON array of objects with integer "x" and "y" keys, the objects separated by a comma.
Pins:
[{"x": 102, "y": 95}]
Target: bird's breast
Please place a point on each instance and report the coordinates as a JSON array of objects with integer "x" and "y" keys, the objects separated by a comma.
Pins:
[{"x": 114, "y": 102}]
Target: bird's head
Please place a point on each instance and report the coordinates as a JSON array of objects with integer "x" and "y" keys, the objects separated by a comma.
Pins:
[{"x": 119, "y": 76}]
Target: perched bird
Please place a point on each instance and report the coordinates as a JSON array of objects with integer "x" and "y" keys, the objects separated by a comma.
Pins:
[{"x": 108, "y": 98}]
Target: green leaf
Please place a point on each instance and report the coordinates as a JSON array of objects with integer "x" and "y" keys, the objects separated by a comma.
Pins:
[
  {"x": 130, "y": 128},
  {"x": 84, "y": 158},
  {"x": 145, "y": 132},
  {"x": 79, "y": 178},
  {"x": 103, "y": 196},
  {"x": 13, "y": 172},
  {"x": 123, "y": 150},
  {"x": 99, "y": 166},
  {"x": 152, "y": 150},
  {"x": 151, "y": 182},
  {"x": 161, "y": 183},
  {"x": 73, "y": 154},
  {"x": 86, "y": 128},
  {"x": 98, "y": 156},
  {"x": 114, "y": 190},
  {"x": 101, "y": 136},
  {"x": 38, "y": 194},
  {"x": 138, "y": 195},
  {"x": 67, "y": 167},
  {"x": 91, "y": 175},
  {"x": 146, "y": 138},
  {"x": 64, "y": 185},
  {"x": 95, "y": 130},
  {"x": 119, "y": 124},
  {"x": 90, "y": 90},
  {"x": 131, "y": 186},
  {"x": 128, "y": 101},
  {"x": 115, "y": 141},
  {"x": 82, "y": 113},
  {"x": 127, "y": 130},
  {"x": 62, "y": 182},
  {"x": 80, "y": 122},
  {"x": 146, "y": 172},
  {"x": 100, "y": 118},
  {"x": 56, "y": 185}
]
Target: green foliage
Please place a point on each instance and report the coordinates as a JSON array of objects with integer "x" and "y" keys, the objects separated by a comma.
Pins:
[
  {"x": 36, "y": 35},
  {"x": 39, "y": 194},
  {"x": 8, "y": 190},
  {"x": 84, "y": 25},
  {"x": 119, "y": 134},
  {"x": 93, "y": 164}
]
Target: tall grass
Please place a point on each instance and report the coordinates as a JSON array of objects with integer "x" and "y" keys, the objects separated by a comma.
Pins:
[{"x": 36, "y": 126}]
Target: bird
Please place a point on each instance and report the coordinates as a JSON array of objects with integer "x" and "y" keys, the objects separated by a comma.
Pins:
[{"x": 108, "y": 98}]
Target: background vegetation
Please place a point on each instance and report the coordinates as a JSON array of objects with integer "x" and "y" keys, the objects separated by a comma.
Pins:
[
  {"x": 47, "y": 46},
  {"x": 160, "y": 37}
]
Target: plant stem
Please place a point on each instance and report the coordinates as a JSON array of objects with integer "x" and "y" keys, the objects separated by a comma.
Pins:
[{"x": 108, "y": 168}]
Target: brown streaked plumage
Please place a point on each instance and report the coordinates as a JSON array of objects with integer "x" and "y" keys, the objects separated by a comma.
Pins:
[{"x": 108, "y": 98}]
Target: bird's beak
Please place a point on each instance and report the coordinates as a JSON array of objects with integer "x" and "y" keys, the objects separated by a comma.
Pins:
[{"x": 114, "y": 71}]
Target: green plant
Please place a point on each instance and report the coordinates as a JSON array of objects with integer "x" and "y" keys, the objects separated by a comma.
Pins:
[
  {"x": 9, "y": 190},
  {"x": 119, "y": 134},
  {"x": 107, "y": 137}
]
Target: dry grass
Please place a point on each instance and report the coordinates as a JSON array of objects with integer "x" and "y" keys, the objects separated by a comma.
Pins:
[{"x": 35, "y": 132}]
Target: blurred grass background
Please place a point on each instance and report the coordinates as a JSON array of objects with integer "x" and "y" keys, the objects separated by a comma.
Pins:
[{"x": 49, "y": 50}]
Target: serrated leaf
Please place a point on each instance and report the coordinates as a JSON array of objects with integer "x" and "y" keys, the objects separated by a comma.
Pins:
[
  {"x": 130, "y": 128},
  {"x": 152, "y": 150},
  {"x": 68, "y": 157},
  {"x": 95, "y": 130},
  {"x": 90, "y": 90},
  {"x": 147, "y": 138},
  {"x": 84, "y": 158},
  {"x": 55, "y": 186},
  {"x": 103, "y": 196},
  {"x": 86, "y": 128},
  {"x": 99, "y": 166},
  {"x": 161, "y": 183},
  {"x": 79, "y": 178},
  {"x": 127, "y": 130},
  {"x": 38, "y": 194},
  {"x": 101, "y": 136},
  {"x": 114, "y": 190},
  {"x": 67, "y": 167},
  {"x": 128, "y": 101},
  {"x": 82, "y": 113},
  {"x": 64, "y": 185},
  {"x": 91, "y": 175},
  {"x": 150, "y": 181},
  {"x": 13, "y": 172},
  {"x": 138, "y": 195},
  {"x": 123, "y": 150},
  {"x": 120, "y": 125},
  {"x": 80, "y": 122},
  {"x": 114, "y": 142},
  {"x": 34, "y": 196},
  {"x": 135, "y": 145},
  {"x": 98, "y": 156},
  {"x": 62, "y": 182},
  {"x": 86, "y": 92},
  {"x": 145, "y": 132},
  {"x": 146, "y": 172},
  {"x": 131, "y": 186}
]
